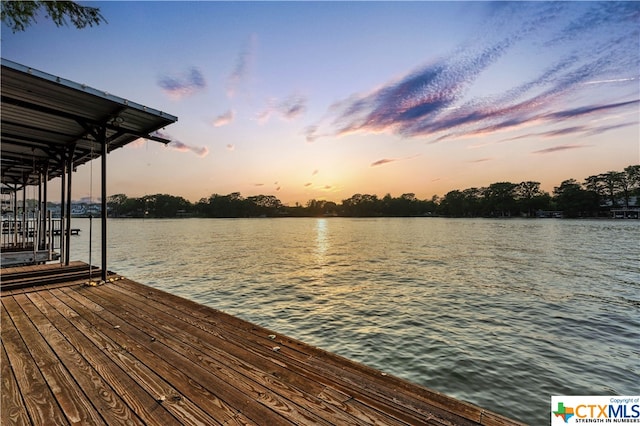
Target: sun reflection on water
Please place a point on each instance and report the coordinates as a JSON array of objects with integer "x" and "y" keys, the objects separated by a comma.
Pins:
[{"x": 322, "y": 241}]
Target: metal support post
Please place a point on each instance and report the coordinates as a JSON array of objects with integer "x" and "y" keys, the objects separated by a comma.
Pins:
[
  {"x": 24, "y": 216},
  {"x": 43, "y": 209},
  {"x": 63, "y": 207},
  {"x": 103, "y": 171},
  {"x": 67, "y": 253}
]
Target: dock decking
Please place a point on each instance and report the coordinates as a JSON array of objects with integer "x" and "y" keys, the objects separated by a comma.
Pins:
[{"x": 125, "y": 353}]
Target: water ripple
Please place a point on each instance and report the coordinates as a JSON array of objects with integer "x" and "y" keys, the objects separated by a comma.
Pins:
[{"x": 488, "y": 311}]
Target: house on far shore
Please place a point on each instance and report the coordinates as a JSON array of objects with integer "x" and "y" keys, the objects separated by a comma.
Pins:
[
  {"x": 630, "y": 211},
  {"x": 626, "y": 213},
  {"x": 549, "y": 214}
]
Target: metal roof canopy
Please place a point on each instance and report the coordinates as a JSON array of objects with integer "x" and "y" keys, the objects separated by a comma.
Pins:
[
  {"x": 47, "y": 121},
  {"x": 50, "y": 125}
]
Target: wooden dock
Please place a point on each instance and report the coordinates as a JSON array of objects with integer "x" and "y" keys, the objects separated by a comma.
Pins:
[{"x": 125, "y": 353}]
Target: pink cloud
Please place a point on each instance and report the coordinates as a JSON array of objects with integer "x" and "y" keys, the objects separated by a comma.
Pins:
[
  {"x": 224, "y": 119},
  {"x": 200, "y": 151}
]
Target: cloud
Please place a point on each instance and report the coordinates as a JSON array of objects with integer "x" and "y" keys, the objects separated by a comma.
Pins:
[
  {"x": 562, "y": 132},
  {"x": 200, "y": 151},
  {"x": 383, "y": 161},
  {"x": 292, "y": 107},
  {"x": 612, "y": 80},
  {"x": 549, "y": 134},
  {"x": 242, "y": 66},
  {"x": 308, "y": 184},
  {"x": 315, "y": 172},
  {"x": 603, "y": 129},
  {"x": 224, "y": 119},
  {"x": 481, "y": 160},
  {"x": 183, "y": 85},
  {"x": 287, "y": 109},
  {"x": 230, "y": 147},
  {"x": 390, "y": 160},
  {"x": 572, "y": 130},
  {"x": 311, "y": 133},
  {"x": 588, "y": 44},
  {"x": 590, "y": 109},
  {"x": 559, "y": 148}
]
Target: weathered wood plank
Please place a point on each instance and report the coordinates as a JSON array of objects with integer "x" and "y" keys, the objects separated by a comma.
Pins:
[
  {"x": 213, "y": 352},
  {"x": 13, "y": 410},
  {"x": 183, "y": 409},
  {"x": 129, "y": 338},
  {"x": 37, "y": 396},
  {"x": 98, "y": 393},
  {"x": 40, "y": 270},
  {"x": 237, "y": 394},
  {"x": 140, "y": 401}
]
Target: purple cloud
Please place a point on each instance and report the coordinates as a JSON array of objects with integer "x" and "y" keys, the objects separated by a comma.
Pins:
[
  {"x": 588, "y": 45},
  {"x": 200, "y": 151},
  {"x": 603, "y": 129},
  {"x": 293, "y": 107},
  {"x": 590, "y": 109},
  {"x": 391, "y": 160},
  {"x": 559, "y": 148},
  {"x": 183, "y": 85},
  {"x": 242, "y": 66},
  {"x": 288, "y": 109}
]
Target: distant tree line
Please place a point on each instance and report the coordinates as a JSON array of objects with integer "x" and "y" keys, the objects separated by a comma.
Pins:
[{"x": 592, "y": 198}]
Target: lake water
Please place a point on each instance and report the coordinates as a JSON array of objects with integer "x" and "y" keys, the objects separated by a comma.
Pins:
[{"x": 501, "y": 313}]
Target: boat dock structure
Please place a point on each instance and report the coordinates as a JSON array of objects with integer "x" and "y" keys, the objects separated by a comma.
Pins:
[
  {"x": 76, "y": 351},
  {"x": 83, "y": 345}
]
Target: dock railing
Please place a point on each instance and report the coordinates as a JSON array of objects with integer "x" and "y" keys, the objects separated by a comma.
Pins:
[{"x": 29, "y": 233}]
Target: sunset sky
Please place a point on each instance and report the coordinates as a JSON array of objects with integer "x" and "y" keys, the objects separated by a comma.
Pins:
[{"x": 324, "y": 100}]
